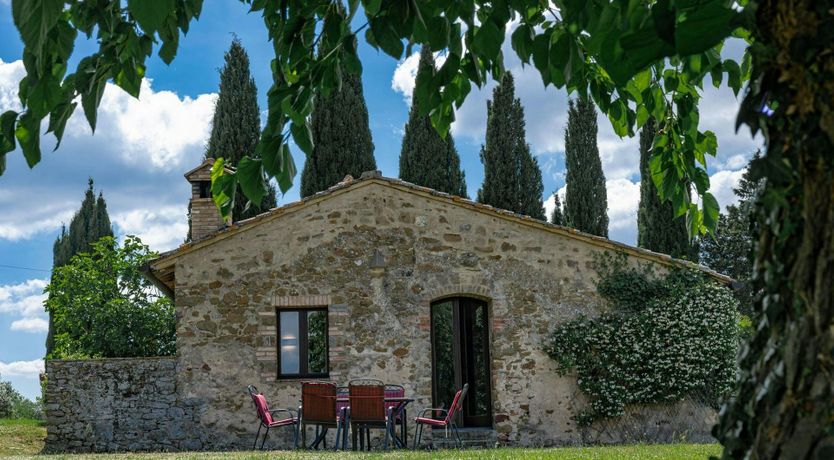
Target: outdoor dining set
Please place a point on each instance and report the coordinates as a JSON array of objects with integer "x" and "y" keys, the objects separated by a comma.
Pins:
[{"x": 355, "y": 409}]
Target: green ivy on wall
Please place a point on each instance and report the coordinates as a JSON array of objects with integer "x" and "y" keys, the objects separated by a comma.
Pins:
[{"x": 663, "y": 339}]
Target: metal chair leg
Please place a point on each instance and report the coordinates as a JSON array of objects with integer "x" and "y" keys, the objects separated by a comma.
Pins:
[
  {"x": 418, "y": 431},
  {"x": 257, "y": 435},
  {"x": 345, "y": 431},
  {"x": 295, "y": 435},
  {"x": 264, "y": 440}
]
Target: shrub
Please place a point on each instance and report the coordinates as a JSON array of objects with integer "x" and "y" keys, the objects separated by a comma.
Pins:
[{"x": 680, "y": 339}]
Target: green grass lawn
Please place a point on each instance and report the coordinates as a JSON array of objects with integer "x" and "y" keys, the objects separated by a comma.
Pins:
[{"x": 25, "y": 438}]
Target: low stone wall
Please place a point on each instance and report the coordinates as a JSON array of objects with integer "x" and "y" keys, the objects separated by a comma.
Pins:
[{"x": 117, "y": 404}]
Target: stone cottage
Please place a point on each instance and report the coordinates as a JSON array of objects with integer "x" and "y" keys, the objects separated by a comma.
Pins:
[{"x": 380, "y": 278}]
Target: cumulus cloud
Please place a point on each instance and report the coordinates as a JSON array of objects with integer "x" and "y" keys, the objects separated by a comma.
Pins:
[
  {"x": 623, "y": 199},
  {"x": 22, "y": 368},
  {"x": 161, "y": 228},
  {"x": 721, "y": 185},
  {"x": 25, "y": 302},
  {"x": 137, "y": 156},
  {"x": 34, "y": 325}
]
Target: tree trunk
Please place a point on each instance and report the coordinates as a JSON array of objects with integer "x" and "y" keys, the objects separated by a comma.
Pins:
[{"x": 785, "y": 404}]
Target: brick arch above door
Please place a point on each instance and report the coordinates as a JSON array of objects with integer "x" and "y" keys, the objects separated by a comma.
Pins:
[{"x": 477, "y": 288}]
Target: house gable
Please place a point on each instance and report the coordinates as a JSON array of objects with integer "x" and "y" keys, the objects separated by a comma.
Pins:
[{"x": 162, "y": 270}]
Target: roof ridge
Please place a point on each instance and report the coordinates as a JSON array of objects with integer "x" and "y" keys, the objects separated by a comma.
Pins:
[{"x": 376, "y": 176}]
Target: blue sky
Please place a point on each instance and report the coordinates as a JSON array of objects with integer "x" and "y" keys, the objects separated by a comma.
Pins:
[{"x": 142, "y": 147}]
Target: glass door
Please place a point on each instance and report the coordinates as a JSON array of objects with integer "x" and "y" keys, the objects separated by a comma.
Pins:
[{"x": 460, "y": 355}]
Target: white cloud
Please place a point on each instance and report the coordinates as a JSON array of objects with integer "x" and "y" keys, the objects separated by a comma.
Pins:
[
  {"x": 25, "y": 301},
  {"x": 623, "y": 199},
  {"x": 137, "y": 157},
  {"x": 162, "y": 228},
  {"x": 721, "y": 185},
  {"x": 34, "y": 325},
  {"x": 159, "y": 127},
  {"x": 22, "y": 368},
  {"x": 10, "y": 74}
]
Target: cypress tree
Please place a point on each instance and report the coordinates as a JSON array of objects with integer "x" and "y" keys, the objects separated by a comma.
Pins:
[
  {"x": 88, "y": 225},
  {"x": 236, "y": 125},
  {"x": 342, "y": 142},
  {"x": 512, "y": 178},
  {"x": 657, "y": 228},
  {"x": 586, "y": 200},
  {"x": 557, "y": 218},
  {"x": 426, "y": 158}
]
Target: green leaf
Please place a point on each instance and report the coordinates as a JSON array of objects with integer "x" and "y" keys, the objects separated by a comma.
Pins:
[
  {"x": 541, "y": 56},
  {"x": 522, "y": 41},
  {"x": 150, "y": 14},
  {"x": 733, "y": 75},
  {"x": 90, "y": 101},
  {"x": 7, "y": 137},
  {"x": 223, "y": 185},
  {"x": 129, "y": 78},
  {"x": 168, "y": 50},
  {"x": 643, "y": 79},
  {"x": 702, "y": 26},
  {"x": 640, "y": 48},
  {"x": 711, "y": 212},
  {"x": 617, "y": 116},
  {"x": 29, "y": 136},
  {"x": 288, "y": 170},
  {"x": 34, "y": 19},
  {"x": 488, "y": 39},
  {"x": 302, "y": 136},
  {"x": 693, "y": 220},
  {"x": 58, "y": 120},
  {"x": 251, "y": 179}
]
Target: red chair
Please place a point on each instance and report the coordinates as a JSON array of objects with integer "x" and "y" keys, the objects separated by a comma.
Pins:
[
  {"x": 318, "y": 407},
  {"x": 268, "y": 417},
  {"x": 447, "y": 422},
  {"x": 367, "y": 410},
  {"x": 400, "y": 417}
]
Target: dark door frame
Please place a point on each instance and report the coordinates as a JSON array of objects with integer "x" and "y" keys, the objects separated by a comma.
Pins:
[{"x": 463, "y": 352}]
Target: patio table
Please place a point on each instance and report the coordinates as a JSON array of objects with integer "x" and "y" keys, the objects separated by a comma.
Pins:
[{"x": 402, "y": 402}]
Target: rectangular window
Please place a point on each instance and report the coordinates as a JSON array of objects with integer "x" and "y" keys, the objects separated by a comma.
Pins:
[{"x": 302, "y": 342}]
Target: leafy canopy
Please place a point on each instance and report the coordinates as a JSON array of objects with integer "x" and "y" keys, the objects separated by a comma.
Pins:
[
  {"x": 635, "y": 59},
  {"x": 103, "y": 306}
]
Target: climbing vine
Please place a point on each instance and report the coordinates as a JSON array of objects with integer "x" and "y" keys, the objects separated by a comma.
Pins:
[{"x": 663, "y": 339}]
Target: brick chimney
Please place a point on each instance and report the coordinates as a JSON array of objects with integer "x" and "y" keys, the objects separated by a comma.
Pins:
[{"x": 205, "y": 218}]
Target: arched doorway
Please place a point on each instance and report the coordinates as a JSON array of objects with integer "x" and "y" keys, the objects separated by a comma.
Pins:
[{"x": 460, "y": 355}]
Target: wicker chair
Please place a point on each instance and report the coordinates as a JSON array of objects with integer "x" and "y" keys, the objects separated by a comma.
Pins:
[
  {"x": 268, "y": 418},
  {"x": 367, "y": 410},
  {"x": 318, "y": 407},
  {"x": 447, "y": 422}
]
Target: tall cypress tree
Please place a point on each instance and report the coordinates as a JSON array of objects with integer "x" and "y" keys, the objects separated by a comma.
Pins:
[
  {"x": 236, "y": 125},
  {"x": 342, "y": 142},
  {"x": 586, "y": 200},
  {"x": 426, "y": 158},
  {"x": 88, "y": 225},
  {"x": 657, "y": 228},
  {"x": 512, "y": 178},
  {"x": 557, "y": 218}
]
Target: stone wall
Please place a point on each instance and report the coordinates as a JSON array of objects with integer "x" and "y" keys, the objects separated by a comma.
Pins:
[{"x": 117, "y": 404}]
